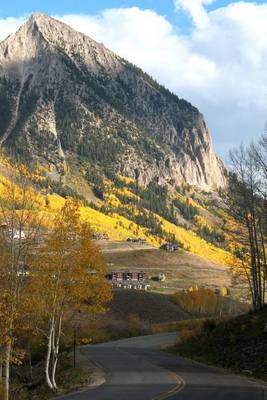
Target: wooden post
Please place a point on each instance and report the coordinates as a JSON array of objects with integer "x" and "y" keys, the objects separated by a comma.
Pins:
[{"x": 74, "y": 347}]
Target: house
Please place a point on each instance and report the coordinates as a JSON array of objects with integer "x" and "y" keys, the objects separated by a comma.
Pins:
[
  {"x": 136, "y": 240},
  {"x": 161, "y": 277},
  {"x": 100, "y": 236},
  {"x": 8, "y": 232},
  {"x": 170, "y": 246},
  {"x": 117, "y": 276},
  {"x": 18, "y": 234}
]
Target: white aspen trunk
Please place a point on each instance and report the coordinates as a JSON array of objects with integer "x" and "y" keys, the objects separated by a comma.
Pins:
[
  {"x": 53, "y": 358},
  {"x": 7, "y": 370},
  {"x": 48, "y": 357},
  {"x": 54, "y": 368},
  {"x": 56, "y": 352}
]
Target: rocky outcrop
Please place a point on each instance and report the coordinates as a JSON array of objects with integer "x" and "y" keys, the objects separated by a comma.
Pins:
[{"x": 64, "y": 95}]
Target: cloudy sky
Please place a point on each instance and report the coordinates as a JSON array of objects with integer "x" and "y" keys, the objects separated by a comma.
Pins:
[{"x": 212, "y": 53}]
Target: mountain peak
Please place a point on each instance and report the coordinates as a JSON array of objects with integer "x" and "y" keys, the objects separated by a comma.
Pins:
[
  {"x": 40, "y": 19},
  {"x": 69, "y": 96},
  {"x": 45, "y": 23},
  {"x": 56, "y": 32},
  {"x": 40, "y": 16},
  {"x": 43, "y": 20}
]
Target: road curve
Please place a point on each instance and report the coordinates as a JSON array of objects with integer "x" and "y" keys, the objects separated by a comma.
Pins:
[{"x": 136, "y": 370}]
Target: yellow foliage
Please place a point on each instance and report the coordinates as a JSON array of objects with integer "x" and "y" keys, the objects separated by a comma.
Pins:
[
  {"x": 55, "y": 202},
  {"x": 224, "y": 291},
  {"x": 115, "y": 225},
  {"x": 126, "y": 179},
  {"x": 197, "y": 245},
  {"x": 112, "y": 200},
  {"x": 200, "y": 300},
  {"x": 126, "y": 192},
  {"x": 201, "y": 222}
]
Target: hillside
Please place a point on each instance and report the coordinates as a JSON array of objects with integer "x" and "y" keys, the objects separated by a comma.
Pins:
[
  {"x": 66, "y": 97},
  {"x": 200, "y": 225},
  {"x": 239, "y": 344},
  {"x": 150, "y": 307}
]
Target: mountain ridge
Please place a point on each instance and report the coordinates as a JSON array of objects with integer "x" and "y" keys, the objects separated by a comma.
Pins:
[{"x": 66, "y": 95}]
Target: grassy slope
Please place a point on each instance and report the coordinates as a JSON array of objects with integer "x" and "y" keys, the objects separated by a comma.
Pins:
[
  {"x": 182, "y": 269},
  {"x": 150, "y": 307},
  {"x": 239, "y": 344}
]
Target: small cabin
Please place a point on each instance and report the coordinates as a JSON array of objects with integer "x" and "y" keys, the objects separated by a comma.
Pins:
[
  {"x": 170, "y": 246},
  {"x": 161, "y": 277}
]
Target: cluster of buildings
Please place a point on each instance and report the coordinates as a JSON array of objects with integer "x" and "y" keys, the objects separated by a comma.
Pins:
[
  {"x": 136, "y": 240},
  {"x": 129, "y": 280}
]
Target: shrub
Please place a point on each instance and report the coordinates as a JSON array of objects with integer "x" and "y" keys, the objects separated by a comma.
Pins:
[
  {"x": 197, "y": 300},
  {"x": 224, "y": 291},
  {"x": 135, "y": 325},
  {"x": 209, "y": 325},
  {"x": 189, "y": 324},
  {"x": 188, "y": 334},
  {"x": 232, "y": 338}
]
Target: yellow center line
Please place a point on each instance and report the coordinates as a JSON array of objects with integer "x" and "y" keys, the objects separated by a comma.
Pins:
[{"x": 179, "y": 386}]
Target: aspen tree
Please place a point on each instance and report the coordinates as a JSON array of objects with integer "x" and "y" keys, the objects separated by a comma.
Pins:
[{"x": 70, "y": 275}]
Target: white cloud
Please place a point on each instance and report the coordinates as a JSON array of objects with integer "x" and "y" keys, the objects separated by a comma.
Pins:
[
  {"x": 9, "y": 25},
  {"x": 196, "y": 10},
  {"x": 148, "y": 40},
  {"x": 221, "y": 67}
]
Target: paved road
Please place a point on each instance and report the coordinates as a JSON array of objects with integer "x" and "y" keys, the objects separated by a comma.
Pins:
[{"x": 136, "y": 370}]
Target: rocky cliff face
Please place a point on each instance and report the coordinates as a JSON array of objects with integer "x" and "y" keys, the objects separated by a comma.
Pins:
[{"x": 64, "y": 95}]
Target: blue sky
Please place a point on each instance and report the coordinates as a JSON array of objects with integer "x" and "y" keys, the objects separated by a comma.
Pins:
[
  {"x": 213, "y": 53},
  {"x": 18, "y": 7}
]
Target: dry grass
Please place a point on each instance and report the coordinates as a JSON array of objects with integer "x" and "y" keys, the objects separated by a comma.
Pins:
[{"x": 182, "y": 269}]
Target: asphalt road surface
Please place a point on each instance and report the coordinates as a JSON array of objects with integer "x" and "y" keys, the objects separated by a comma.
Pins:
[{"x": 136, "y": 370}]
